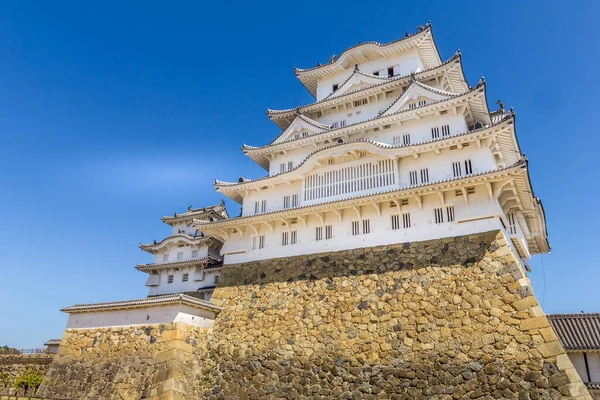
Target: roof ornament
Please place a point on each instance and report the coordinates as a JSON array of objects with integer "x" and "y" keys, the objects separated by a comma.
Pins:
[
  {"x": 413, "y": 78},
  {"x": 511, "y": 111},
  {"x": 355, "y": 67},
  {"x": 420, "y": 28},
  {"x": 458, "y": 53},
  {"x": 501, "y": 104},
  {"x": 428, "y": 24},
  {"x": 189, "y": 208},
  {"x": 155, "y": 241},
  {"x": 332, "y": 58},
  {"x": 175, "y": 214},
  {"x": 319, "y": 64},
  {"x": 297, "y": 110},
  {"x": 222, "y": 202},
  {"x": 406, "y": 34}
]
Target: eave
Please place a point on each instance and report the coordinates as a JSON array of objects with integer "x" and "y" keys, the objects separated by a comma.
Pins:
[
  {"x": 175, "y": 265},
  {"x": 452, "y": 67},
  {"x": 176, "y": 239},
  {"x": 422, "y": 40},
  {"x": 144, "y": 303},
  {"x": 210, "y": 211}
]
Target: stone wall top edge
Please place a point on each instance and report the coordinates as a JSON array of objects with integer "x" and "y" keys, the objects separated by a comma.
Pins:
[{"x": 487, "y": 236}]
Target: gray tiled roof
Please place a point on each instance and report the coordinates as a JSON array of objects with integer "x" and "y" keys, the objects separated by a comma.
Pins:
[
  {"x": 577, "y": 331},
  {"x": 595, "y": 386},
  {"x": 145, "y": 302}
]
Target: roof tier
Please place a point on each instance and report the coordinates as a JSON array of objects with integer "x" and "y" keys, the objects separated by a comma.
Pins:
[
  {"x": 451, "y": 68},
  {"x": 577, "y": 332},
  {"x": 216, "y": 212},
  {"x": 474, "y": 101},
  {"x": 422, "y": 41},
  {"x": 180, "y": 238},
  {"x": 205, "y": 262}
]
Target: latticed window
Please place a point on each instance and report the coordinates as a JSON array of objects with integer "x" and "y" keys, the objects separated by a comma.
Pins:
[
  {"x": 450, "y": 213},
  {"x": 512, "y": 227},
  {"x": 284, "y": 238},
  {"x": 170, "y": 279},
  {"x": 185, "y": 277},
  {"x": 366, "y": 225},
  {"x": 425, "y": 175},
  {"x": 366, "y": 176},
  {"x": 435, "y": 132},
  {"x": 355, "y": 228},
  {"x": 293, "y": 237},
  {"x": 446, "y": 130},
  {"x": 438, "y": 215},
  {"x": 328, "y": 231},
  {"x": 319, "y": 233},
  {"x": 395, "y": 222},
  {"x": 406, "y": 139},
  {"x": 406, "y": 220}
]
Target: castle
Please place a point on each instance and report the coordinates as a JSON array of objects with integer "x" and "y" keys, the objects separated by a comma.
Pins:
[{"x": 383, "y": 255}]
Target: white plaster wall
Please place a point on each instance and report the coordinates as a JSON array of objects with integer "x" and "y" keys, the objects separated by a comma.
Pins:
[
  {"x": 178, "y": 286},
  {"x": 423, "y": 228},
  {"x": 594, "y": 365},
  {"x": 187, "y": 250},
  {"x": 142, "y": 316},
  {"x": 274, "y": 197},
  {"x": 403, "y": 64},
  {"x": 187, "y": 228}
]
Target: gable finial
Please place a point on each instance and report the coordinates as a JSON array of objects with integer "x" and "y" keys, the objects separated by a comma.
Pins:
[
  {"x": 355, "y": 67},
  {"x": 189, "y": 208},
  {"x": 297, "y": 110},
  {"x": 511, "y": 111},
  {"x": 500, "y": 104},
  {"x": 413, "y": 77},
  {"x": 482, "y": 80},
  {"x": 406, "y": 34},
  {"x": 332, "y": 59},
  {"x": 420, "y": 28},
  {"x": 458, "y": 53}
]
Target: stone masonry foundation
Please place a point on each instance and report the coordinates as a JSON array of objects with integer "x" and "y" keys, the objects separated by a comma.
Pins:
[{"x": 446, "y": 319}]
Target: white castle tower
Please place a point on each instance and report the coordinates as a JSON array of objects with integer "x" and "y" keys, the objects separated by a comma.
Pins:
[
  {"x": 187, "y": 261},
  {"x": 397, "y": 147}
]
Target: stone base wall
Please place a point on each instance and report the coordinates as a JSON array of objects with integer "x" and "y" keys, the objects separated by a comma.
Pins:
[
  {"x": 15, "y": 365},
  {"x": 132, "y": 362},
  {"x": 446, "y": 319}
]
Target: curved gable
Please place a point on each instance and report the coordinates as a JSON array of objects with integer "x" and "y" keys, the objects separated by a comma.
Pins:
[
  {"x": 301, "y": 126},
  {"x": 415, "y": 93}
]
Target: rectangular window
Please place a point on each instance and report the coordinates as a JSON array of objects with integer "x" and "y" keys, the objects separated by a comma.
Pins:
[
  {"x": 294, "y": 237},
  {"x": 512, "y": 227},
  {"x": 355, "y": 228},
  {"x": 335, "y": 87},
  {"x": 445, "y": 130},
  {"x": 376, "y": 73},
  {"x": 397, "y": 140},
  {"x": 263, "y": 206},
  {"x": 342, "y": 123},
  {"x": 413, "y": 177},
  {"x": 406, "y": 139},
  {"x": 358, "y": 103},
  {"x": 468, "y": 167},
  {"x": 422, "y": 103},
  {"x": 406, "y": 220},
  {"x": 456, "y": 170},
  {"x": 362, "y": 154},
  {"x": 170, "y": 279},
  {"x": 395, "y": 222},
  {"x": 256, "y": 207},
  {"x": 435, "y": 132},
  {"x": 165, "y": 257},
  {"x": 216, "y": 279},
  {"x": 425, "y": 175},
  {"x": 319, "y": 233},
  {"x": 286, "y": 202},
  {"x": 290, "y": 165},
  {"x": 366, "y": 225},
  {"x": 334, "y": 125},
  {"x": 328, "y": 231},
  {"x": 282, "y": 168},
  {"x": 185, "y": 277},
  {"x": 261, "y": 242},
  {"x": 390, "y": 71},
  {"x": 254, "y": 242},
  {"x": 439, "y": 215},
  {"x": 294, "y": 200},
  {"x": 180, "y": 255},
  {"x": 450, "y": 213},
  {"x": 412, "y": 106},
  {"x": 284, "y": 238},
  {"x": 195, "y": 254}
]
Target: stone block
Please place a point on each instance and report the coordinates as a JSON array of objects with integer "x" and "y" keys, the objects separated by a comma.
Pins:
[
  {"x": 525, "y": 303},
  {"x": 551, "y": 349},
  {"x": 534, "y": 323}
]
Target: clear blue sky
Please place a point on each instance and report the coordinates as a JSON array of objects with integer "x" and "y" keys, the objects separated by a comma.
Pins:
[{"x": 114, "y": 114}]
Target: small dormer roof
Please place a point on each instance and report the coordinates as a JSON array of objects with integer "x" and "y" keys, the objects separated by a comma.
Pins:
[{"x": 217, "y": 211}]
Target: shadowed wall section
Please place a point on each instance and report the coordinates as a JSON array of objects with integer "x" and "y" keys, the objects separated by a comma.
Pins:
[{"x": 446, "y": 319}]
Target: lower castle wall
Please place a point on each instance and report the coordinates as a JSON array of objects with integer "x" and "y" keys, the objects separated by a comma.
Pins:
[
  {"x": 15, "y": 364},
  {"x": 453, "y": 318},
  {"x": 136, "y": 362}
]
